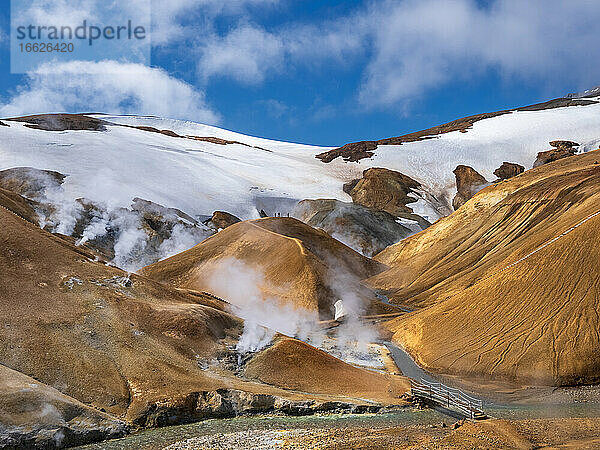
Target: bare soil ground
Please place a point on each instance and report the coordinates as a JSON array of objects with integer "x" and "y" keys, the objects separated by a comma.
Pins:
[
  {"x": 508, "y": 284},
  {"x": 490, "y": 434},
  {"x": 302, "y": 266},
  {"x": 294, "y": 365}
]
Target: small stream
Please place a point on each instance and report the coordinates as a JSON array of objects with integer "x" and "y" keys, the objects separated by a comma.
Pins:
[
  {"x": 385, "y": 300},
  {"x": 158, "y": 438}
]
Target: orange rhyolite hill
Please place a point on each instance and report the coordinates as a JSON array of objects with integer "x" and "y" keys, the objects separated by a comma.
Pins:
[{"x": 508, "y": 287}]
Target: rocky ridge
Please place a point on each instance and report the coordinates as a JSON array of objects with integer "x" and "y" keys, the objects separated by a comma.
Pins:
[
  {"x": 365, "y": 230},
  {"x": 562, "y": 149},
  {"x": 221, "y": 220},
  {"x": 508, "y": 170},
  {"x": 356, "y": 151}
]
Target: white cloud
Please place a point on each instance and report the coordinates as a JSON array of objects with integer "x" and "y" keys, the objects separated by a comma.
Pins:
[
  {"x": 57, "y": 12},
  {"x": 336, "y": 42},
  {"x": 249, "y": 53},
  {"x": 166, "y": 19},
  {"x": 406, "y": 48},
  {"x": 421, "y": 45},
  {"x": 324, "y": 112},
  {"x": 111, "y": 87},
  {"x": 274, "y": 108},
  {"x": 74, "y": 12},
  {"x": 168, "y": 16},
  {"x": 246, "y": 54}
]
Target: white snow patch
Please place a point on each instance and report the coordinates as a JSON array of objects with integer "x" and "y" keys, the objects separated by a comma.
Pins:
[{"x": 198, "y": 177}]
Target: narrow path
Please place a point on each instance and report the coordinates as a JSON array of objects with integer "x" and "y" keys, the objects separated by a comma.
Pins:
[
  {"x": 15, "y": 214},
  {"x": 411, "y": 370},
  {"x": 407, "y": 365},
  {"x": 296, "y": 241}
]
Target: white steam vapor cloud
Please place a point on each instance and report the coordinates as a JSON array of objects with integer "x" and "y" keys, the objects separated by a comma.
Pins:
[
  {"x": 181, "y": 239},
  {"x": 64, "y": 212},
  {"x": 263, "y": 316},
  {"x": 113, "y": 228},
  {"x": 241, "y": 285},
  {"x": 353, "y": 335},
  {"x": 130, "y": 243},
  {"x": 97, "y": 227}
]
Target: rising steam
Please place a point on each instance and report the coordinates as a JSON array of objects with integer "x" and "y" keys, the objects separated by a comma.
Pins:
[
  {"x": 133, "y": 237},
  {"x": 264, "y": 316}
]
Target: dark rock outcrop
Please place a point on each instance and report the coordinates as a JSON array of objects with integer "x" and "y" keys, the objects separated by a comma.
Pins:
[
  {"x": 563, "y": 144},
  {"x": 2, "y": 124},
  {"x": 351, "y": 152},
  {"x": 156, "y": 130},
  {"x": 62, "y": 122},
  {"x": 468, "y": 183},
  {"x": 350, "y": 185},
  {"x": 384, "y": 190},
  {"x": 221, "y": 220},
  {"x": 224, "y": 403},
  {"x": 562, "y": 149},
  {"x": 508, "y": 170},
  {"x": 156, "y": 215},
  {"x": 589, "y": 93},
  {"x": 34, "y": 415},
  {"x": 363, "y": 229},
  {"x": 211, "y": 139},
  {"x": 219, "y": 141},
  {"x": 29, "y": 182}
]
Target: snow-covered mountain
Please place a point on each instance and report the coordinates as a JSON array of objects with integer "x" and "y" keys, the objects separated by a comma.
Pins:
[
  {"x": 483, "y": 142},
  {"x": 197, "y": 177},
  {"x": 515, "y": 137},
  {"x": 199, "y": 169}
]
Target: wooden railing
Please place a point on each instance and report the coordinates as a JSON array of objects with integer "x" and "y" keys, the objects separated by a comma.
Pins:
[{"x": 448, "y": 398}]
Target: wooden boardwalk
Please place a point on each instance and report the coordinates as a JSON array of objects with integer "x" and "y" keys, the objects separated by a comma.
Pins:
[{"x": 447, "y": 397}]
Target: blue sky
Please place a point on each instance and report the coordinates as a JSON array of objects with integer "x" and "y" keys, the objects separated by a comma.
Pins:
[{"x": 324, "y": 72}]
